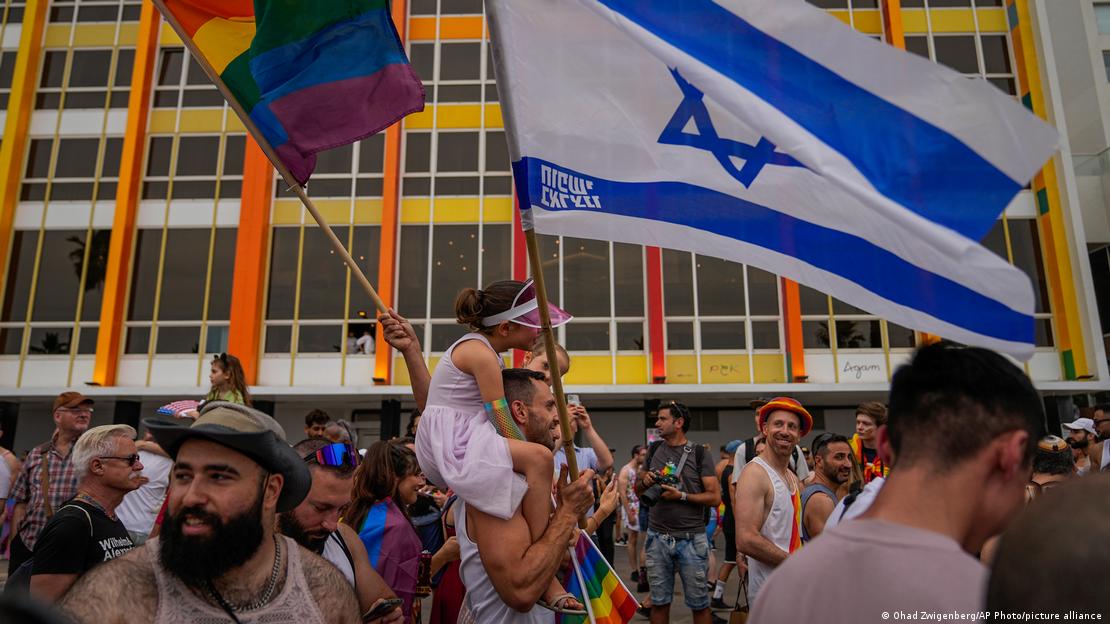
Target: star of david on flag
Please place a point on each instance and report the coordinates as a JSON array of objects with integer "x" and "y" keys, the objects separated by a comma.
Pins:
[{"x": 769, "y": 133}]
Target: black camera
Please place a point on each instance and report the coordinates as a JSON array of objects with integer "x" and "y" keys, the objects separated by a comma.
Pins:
[{"x": 653, "y": 494}]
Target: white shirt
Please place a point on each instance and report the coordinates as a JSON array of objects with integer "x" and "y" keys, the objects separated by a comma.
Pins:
[
  {"x": 139, "y": 508},
  {"x": 5, "y": 477},
  {"x": 365, "y": 344},
  {"x": 859, "y": 505},
  {"x": 483, "y": 604},
  {"x": 334, "y": 553}
]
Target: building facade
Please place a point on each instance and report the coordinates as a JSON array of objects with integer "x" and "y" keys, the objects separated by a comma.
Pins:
[{"x": 143, "y": 233}]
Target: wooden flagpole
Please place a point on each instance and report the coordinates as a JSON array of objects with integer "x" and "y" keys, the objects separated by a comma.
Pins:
[
  {"x": 267, "y": 149},
  {"x": 533, "y": 248}
]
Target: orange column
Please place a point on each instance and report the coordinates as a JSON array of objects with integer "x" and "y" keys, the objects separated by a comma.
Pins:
[
  {"x": 391, "y": 204},
  {"x": 892, "y": 23},
  {"x": 20, "y": 103},
  {"x": 109, "y": 340},
  {"x": 252, "y": 252},
  {"x": 792, "y": 330}
]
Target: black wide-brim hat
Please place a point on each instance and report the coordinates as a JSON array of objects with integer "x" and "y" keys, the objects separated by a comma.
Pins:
[{"x": 248, "y": 431}]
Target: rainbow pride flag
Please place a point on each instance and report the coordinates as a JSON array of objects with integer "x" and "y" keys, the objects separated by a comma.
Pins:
[
  {"x": 609, "y": 602},
  {"x": 309, "y": 75}
]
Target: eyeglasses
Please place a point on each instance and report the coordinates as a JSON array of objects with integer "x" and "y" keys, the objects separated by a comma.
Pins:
[
  {"x": 335, "y": 455},
  {"x": 130, "y": 459}
]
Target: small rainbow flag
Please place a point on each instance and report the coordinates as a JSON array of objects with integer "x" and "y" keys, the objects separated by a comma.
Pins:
[
  {"x": 609, "y": 602},
  {"x": 309, "y": 75}
]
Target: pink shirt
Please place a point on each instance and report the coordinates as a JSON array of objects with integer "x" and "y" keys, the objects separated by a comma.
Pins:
[{"x": 860, "y": 569}]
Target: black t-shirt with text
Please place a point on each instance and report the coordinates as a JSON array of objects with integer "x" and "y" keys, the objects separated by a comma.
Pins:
[{"x": 74, "y": 543}]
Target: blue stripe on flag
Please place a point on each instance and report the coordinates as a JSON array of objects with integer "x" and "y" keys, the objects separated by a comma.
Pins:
[
  {"x": 866, "y": 264},
  {"x": 356, "y": 47},
  {"x": 909, "y": 160}
]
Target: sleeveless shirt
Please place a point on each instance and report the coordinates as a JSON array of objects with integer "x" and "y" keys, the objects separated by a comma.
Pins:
[
  {"x": 808, "y": 493},
  {"x": 177, "y": 604},
  {"x": 482, "y": 603},
  {"x": 335, "y": 552},
  {"x": 781, "y": 528}
]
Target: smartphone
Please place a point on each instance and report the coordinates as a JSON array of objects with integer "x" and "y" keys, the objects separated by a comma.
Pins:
[
  {"x": 572, "y": 399},
  {"x": 382, "y": 608}
]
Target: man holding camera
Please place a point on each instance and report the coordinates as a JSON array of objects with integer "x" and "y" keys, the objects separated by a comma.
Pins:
[{"x": 679, "y": 483}]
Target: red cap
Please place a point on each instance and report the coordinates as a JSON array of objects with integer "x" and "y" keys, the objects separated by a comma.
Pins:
[
  {"x": 70, "y": 399},
  {"x": 790, "y": 405}
]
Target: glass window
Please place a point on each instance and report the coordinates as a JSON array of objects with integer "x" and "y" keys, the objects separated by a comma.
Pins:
[
  {"x": 765, "y": 335},
  {"x": 418, "y": 149},
  {"x": 549, "y": 258},
  {"x": 443, "y": 336},
  {"x": 185, "y": 261},
  {"x": 174, "y": 339},
  {"x": 497, "y": 245},
  {"x": 422, "y": 57},
  {"x": 7, "y": 70},
  {"x": 196, "y": 172},
  {"x": 586, "y": 277},
  {"x": 587, "y": 337},
  {"x": 364, "y": 250},
  {"x": 628, "y": 280},
  {"x": 1026, "y": 246},
  {"x": 181, "y": 81},
  {"x": 91, "y": 78},
  {"x": 1106, "y": 64},
  {"x": 630, "y": 336},
  {"x": 59, "y": 274},
  {"x": 454, "y": 266},
  {"x": 144, "y": 275},
  {"x": 957, "y": 52},
  {"x": 457, "y": 151},
  {"x": 74, "y": 176},
  {"x": 20, "y": 270},
  {"x": 678, "y": 293},
  {"x": 278, "y": 338},
  {"x": 460, "y": 61},
  {"x": 680, "y": 336},
  {"x": 815, "y": 334},
  {"x": 319, "y": 339},
  {"x": 412, "y": 284},
  {"x": 900, "y": 337},
  {"x": 284, "y": 250},
  {"x": 720, "y": 288},
  {"x": 812, "y": 301},
  {"x": 497, "y": 151},
  {"x": 918, "y": 45},
  {"x": 1102, "y": 18},
  {"x": 722, "y": 335},
  {"x": 996, "y": 54},
  {"x": 763, "y": 292},
  {"x": 323, "y": 276},
  {"x": 858, "y": 334}
]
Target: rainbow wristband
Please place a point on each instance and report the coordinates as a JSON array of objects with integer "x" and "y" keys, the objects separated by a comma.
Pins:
[{"x": 498, "y": 413}]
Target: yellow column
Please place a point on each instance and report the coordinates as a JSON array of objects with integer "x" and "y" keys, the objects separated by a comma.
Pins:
[
  {"x": 113, "y": 310},
  {"x": 1050, "y": 218},
  {"x": 20, "y": 104}
]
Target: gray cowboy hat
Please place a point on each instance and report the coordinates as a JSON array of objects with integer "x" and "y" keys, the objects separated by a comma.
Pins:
[{"x": 248, "y": 431}]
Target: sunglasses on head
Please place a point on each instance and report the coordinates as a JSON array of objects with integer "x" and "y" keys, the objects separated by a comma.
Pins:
[
  {"x": 335, "y": 455},
  {"x": 678, "y": 410},
  {"x": 820, "y": 441}
]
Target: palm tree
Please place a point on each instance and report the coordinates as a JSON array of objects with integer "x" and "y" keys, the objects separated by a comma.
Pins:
[
  {"x": 51, "y": 344},
  {"x": 98, "y": 257}
]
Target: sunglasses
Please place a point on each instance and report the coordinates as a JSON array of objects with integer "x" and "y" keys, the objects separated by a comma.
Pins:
[
  {"x": 678, "y": 410},
  {"x": 130, "y": 459},
  {"x": 335, "y": 455},
  {"x": 820, "y": 441}
]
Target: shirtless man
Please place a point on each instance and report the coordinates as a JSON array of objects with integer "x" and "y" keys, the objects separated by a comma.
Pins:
[{"x": 218, "y": 557}]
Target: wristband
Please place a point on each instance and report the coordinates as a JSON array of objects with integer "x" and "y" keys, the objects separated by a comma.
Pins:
[{"x": 684, "y": 497}]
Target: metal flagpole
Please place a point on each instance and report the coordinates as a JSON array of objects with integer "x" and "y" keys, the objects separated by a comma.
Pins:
[
  {"x": 267, "y": 149},
  {"x": 533, "y": 247}
]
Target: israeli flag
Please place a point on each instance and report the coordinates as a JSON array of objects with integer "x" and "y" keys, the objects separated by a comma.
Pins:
[{"x": 767, "y": 132}]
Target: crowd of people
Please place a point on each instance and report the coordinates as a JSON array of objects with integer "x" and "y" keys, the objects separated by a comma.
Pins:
[{"x": 215, "y": 514}]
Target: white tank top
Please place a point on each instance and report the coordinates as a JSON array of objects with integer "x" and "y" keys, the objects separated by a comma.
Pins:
[
  {"x": 336, "y": 554},
  {"x": 780, "y": 527},
  {"x": 1105, "y": 455},
  {"x": 482, "y": 603}
]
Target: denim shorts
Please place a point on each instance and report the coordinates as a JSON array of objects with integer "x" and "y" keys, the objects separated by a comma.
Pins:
[{"x": 689, "y": 556}]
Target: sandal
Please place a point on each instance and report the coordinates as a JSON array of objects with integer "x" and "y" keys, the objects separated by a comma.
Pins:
[{"x": 559, "y": 605}]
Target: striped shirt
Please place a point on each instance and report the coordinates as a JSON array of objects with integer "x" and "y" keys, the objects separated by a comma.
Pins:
[{"x": 28, "y": 488}]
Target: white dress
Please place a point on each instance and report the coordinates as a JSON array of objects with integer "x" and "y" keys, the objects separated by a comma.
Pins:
[{"x": 457, "y": 445}]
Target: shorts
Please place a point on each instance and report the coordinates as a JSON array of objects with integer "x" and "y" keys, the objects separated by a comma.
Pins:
[
  {"x": 687, "y": 554},
  {"x": 633, "y": 523},
  {"x": 729, "y": 530}
]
